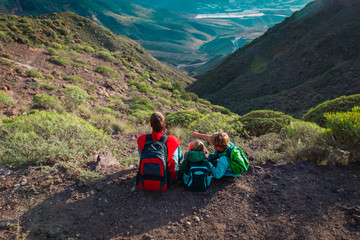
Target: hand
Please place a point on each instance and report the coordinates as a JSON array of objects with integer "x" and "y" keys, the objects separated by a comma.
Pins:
[{"x": 194, "y": 134}]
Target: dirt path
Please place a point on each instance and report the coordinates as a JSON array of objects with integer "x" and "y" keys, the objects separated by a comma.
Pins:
[{"x": 289, "y": 201}]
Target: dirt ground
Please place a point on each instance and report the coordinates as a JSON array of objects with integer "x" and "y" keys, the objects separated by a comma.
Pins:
[{"x": 270, "y": 201}]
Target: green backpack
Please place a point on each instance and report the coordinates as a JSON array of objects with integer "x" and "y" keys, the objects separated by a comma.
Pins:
[{"x": 237, "y": 160}]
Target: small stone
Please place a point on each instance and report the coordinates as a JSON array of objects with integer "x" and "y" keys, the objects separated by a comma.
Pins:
[
  {"x": 127, "y": 233},
  {"x": 188, "y": 223},
  {"x": 99, "y": 188},
  {"x": 6, "y": 224},
  {"x": 196, "y": 219},
  {"x": 24, "y": 182},
  {"x": 352, "y": 222},
  {"x": 5, "y": 172}
]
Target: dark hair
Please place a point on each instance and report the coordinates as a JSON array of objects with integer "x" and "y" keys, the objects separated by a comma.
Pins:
[{"x": 157, "y": 122}]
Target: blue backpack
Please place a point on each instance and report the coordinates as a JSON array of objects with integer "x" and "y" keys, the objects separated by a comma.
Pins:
[{"x": 197, "y": 176}]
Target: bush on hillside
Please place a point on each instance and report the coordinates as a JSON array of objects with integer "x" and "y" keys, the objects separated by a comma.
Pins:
[
  {"x": 5, "y": 99},
  {"x": 217, "y": 122},
  {"x": 42, "y": 136},
  {"x": 61, "y": 61},
  {"x": 260, "y": 122},
  {"x": 74, "y": 96},
  {"x": 75, "y": 78},
  {"x": 340, "y": 104},
  {"x": 106, "y": 56},
  {"x": 108, "y": 72},
  {"x": 345, "y": 128},
  {"x": 33, "y": 73},
  {"x": 45, "y": 101},
  {"x": 183, "y": 118},
  {"x": 106, "y": 122},
  {"x": 105, "y": 110}
]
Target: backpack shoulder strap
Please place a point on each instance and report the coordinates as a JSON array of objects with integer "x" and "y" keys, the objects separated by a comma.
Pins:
[
  {"x": 163, "y": 138},
  {"x": 149, "y": 138}
]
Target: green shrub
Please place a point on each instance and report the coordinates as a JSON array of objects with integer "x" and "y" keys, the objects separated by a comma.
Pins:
[
  {"x": 6, "y": 55},
  {"x": 106, "y": 56},
  {"x": 44, "y": 101},
  {"x": 304, "y": 133},
  {"x": 48, "y": 76},
  {"x": 106, "y": 122},
  {"x": 61, "y": 61},
  {"x": 5, "y": 99},
  {"x": 105, "y": 110},
  {"x": 217, "y": 122},
  {"x": 33, "y": 73},
  {"x": 53, "y": 51},
  {"x": 221, "y": 109},
  {"x": 6, "y": 62},
  {"x": 75, "y": 78},
  {"x": 261, "y": 122},
  {"x": 142, "y": 104},
  {"x": 185, "y": 96},
  {"x": 345, "y": 127},
  {"x": 140, "y": 116},
  {"x": 340, "y": 104},
  {"x": 193, "y": 96},
  {"x": 166, "y": 85},
  {"x": 109, "y": 72},
  {"x": 55, "y": 45},
  {"x": 89, "y": 49},
  {"x": 49, "y": 87},
  {"x": 42, "y": 136},
  {"x": 75, "y": 96},
  {"x": 4, "y": 37},
  {"x": 183, "y": 118}
]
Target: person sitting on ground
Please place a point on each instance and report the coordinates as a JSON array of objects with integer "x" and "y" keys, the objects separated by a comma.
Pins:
[
  {"x": 175, "y": 155},
  {"x": 219, "y": 164},
  {"x": 195, "y": 170}
]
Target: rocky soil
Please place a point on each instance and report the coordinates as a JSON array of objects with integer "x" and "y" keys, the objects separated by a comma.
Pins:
[{"x": 270, "y": 201}]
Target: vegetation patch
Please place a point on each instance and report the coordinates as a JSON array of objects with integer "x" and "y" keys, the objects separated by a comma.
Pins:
[
  {"x": 74, "y": 96},
  {"x": 42, "y": 136},
  {"x": 44, "y": 101},
  {"x": 260, "y": 122},
  {"x": 340, "y": 104},
  {"x": 5, "y": 99},
  {"x": 183, "y": 118},
  {"x": 75, "y": 79},
  {"x": 107, "y": 71},
  {"x": 345, "y": 129},
  {"x": 33, "y": 73},
  {"x": 217, "y": 122}
]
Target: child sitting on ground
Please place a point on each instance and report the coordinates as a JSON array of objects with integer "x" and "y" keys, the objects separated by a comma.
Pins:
[
  {"x": 219, "y": 162},
  {"x": 195, "y": 170}
]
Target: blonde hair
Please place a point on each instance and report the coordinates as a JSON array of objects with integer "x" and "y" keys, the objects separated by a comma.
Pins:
[
  {"x": 197, "y": 145},
  {"x": 220, "y": 139}
]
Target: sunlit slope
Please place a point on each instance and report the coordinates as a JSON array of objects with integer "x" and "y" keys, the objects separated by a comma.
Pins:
[{"x": 309, "y": 58}]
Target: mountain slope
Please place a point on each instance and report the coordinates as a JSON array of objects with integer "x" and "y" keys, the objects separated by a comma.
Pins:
[
  {"x": 310, "y": 57},
  {"x": 170, "y": 29}
]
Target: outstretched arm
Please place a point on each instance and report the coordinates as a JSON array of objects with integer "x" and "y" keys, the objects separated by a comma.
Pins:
[{"x": 205, "y": 136}]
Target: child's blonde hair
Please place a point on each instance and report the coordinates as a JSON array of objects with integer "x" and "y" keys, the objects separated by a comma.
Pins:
[
  {"x": 220, "y": 139},
  {"x": 197, "y": 145}
]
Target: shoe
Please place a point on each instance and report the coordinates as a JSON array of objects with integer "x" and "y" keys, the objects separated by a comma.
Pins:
[{"x": 229, "y": 179}]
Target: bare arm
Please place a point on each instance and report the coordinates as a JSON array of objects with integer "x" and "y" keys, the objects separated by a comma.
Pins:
[{"x": 205, "y": 136}]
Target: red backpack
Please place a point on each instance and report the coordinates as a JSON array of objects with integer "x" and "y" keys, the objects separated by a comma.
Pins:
[{"x": 153, "y": 169}]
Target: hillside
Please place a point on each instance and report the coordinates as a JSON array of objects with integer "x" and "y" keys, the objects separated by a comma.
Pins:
[
  {"x": 297, "y": 64},
  {"x": 71, "y": 90},
  {"x": 171, "y": 33}
]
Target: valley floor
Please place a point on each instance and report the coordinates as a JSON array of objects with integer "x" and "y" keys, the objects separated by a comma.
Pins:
[{"x": 270, "y": 201}]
